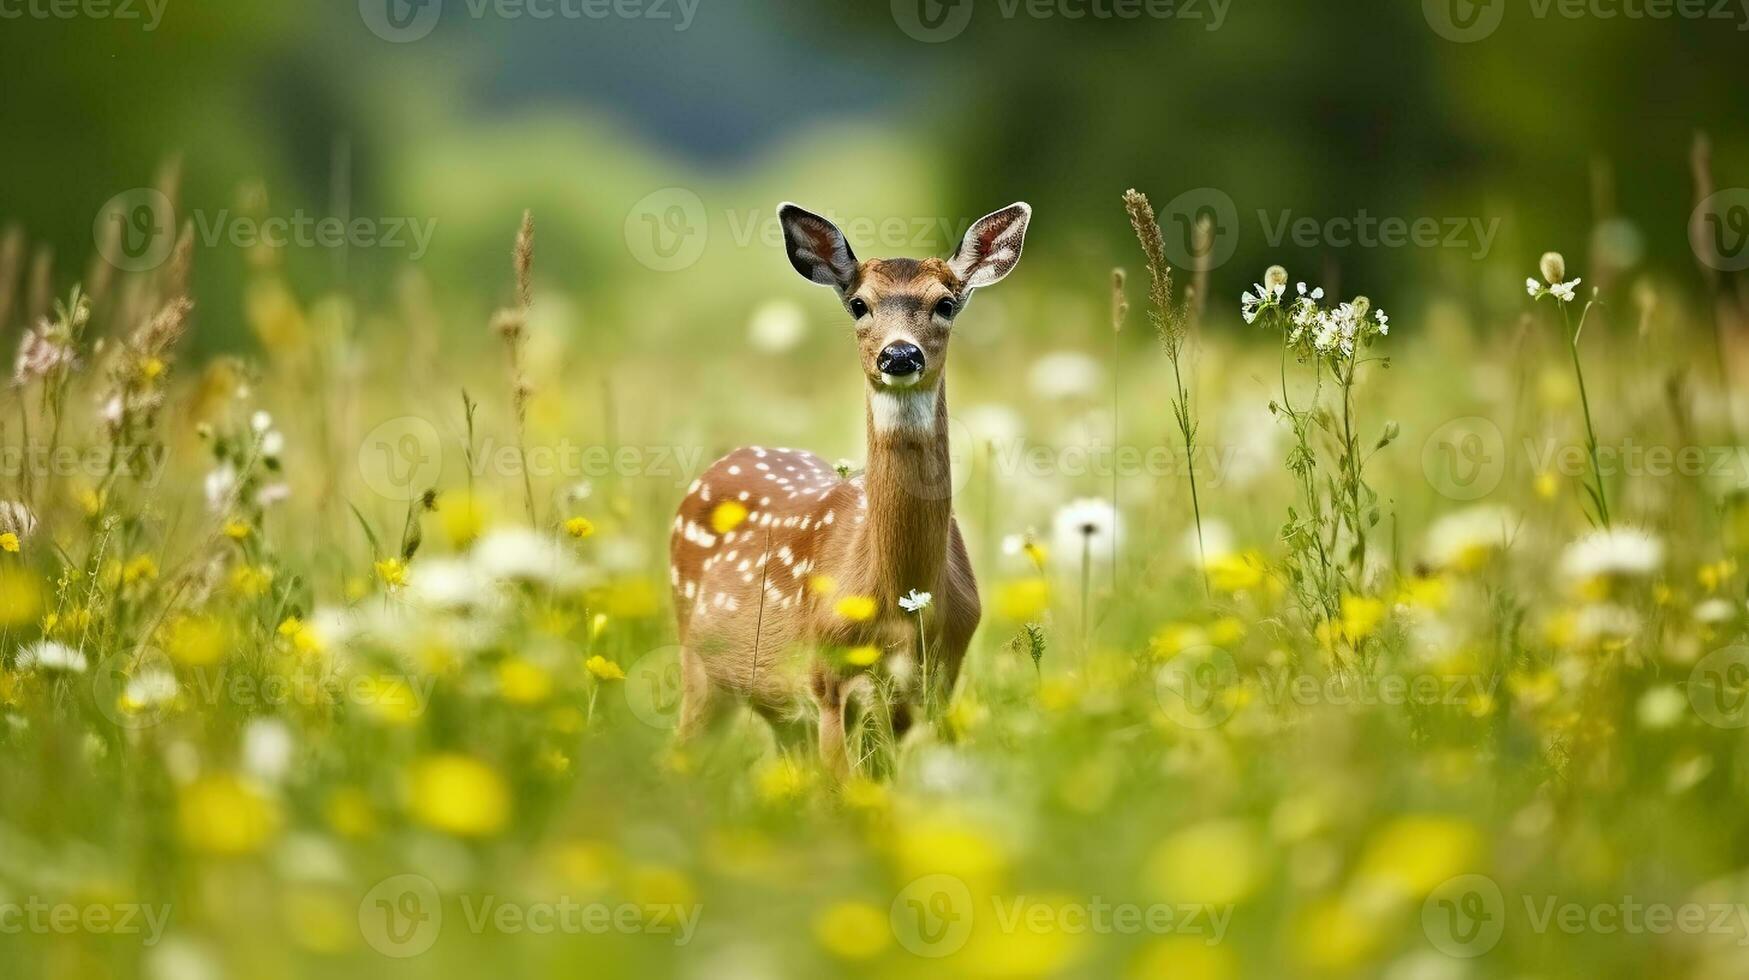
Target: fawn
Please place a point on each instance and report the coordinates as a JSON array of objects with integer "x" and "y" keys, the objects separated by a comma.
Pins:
[{"x": 774, "y": 552}]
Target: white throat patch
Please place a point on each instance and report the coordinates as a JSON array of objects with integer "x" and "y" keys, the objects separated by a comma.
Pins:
[{"x": 903, "y": 410}]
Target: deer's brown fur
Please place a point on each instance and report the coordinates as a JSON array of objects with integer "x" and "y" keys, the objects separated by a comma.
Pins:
[{"x": 768, "y": 543}]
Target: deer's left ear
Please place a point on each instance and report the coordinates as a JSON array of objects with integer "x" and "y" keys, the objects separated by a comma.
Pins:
[
  {"x": 991, "y": 248},
  {"x": 817, "y": 248}
]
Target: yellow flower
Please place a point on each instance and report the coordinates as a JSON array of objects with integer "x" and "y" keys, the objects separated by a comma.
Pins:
[
  {"x": 152, "y": 368},
  {"x": 822, "y": 584},
  {"x": 863, "y": 656},
  {"x": 579, "y": 527},
  {"x": 463, "y": 519},
  {"x": 196, "y": 641},
  {"x": 1712, "y": 576},
  {"x": 458, "y": 794},
  {"x": 251, "y": 581},
  {"x": 522, "y": 682},
  {"x": 20, "y": 597},
  {"x": 852, "y": 930},
  {"x": 856, "y": 608},
  {"x": 89, "y": 501},
  {"x": 728, "y": 516},
  {"x": 1361, "y": 616},
  {"x": 1218, "y": 862},
  {"x": 780, "y": 780},
  {"x": 964, "y": 715},
  {"x": 1412, "y": 855},
  {"x": 393, "y": 572},
  {"x": 1023, "y": 600},
  {"x": 236, "y": 529},
  {"x": 605, "y": 669},
  {"x": 948, "y": 843},
  {"x": 140, "y": 568},
  {"x": 863, "y": 793},
  {"x": 1175, "y": 638},
  {"x": 222, "y": 814},
  {"x": 1239, "y": 572},
  {"x": 1426, "y": 592},
  {"x": 1335, "y": 936},
  {"x": 303, "y": 639},
  {"x": 1547, "y": 486},
  {"x": 9, "y": 542}
]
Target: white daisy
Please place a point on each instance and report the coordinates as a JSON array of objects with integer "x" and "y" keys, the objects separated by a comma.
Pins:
[
  {"x": 1621, "y": 552},
  {"x": 1464, "y": 539},
  {"x": 915, "y": 601},
  {"x": 1088, "y": 524},
  {"x": 47, "y": 655},
  {"x": 514, "y": 554}
]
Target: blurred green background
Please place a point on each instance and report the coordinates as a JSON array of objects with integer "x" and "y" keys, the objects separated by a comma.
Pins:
[{"x": 1549, "y": 124}]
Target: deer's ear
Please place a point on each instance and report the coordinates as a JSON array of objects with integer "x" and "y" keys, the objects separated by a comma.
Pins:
[
  {"x": 817, "y": 248},
  {"x": 992, "y": 246}
]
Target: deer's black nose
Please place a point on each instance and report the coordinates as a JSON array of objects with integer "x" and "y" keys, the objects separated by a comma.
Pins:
[{"x": 900, "y": 359}]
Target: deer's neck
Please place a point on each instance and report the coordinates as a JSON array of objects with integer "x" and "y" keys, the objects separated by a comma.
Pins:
[{"x": 910, "y": 494}]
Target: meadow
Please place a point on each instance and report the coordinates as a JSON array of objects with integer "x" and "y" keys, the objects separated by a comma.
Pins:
[{"x": 351, "y": 653}]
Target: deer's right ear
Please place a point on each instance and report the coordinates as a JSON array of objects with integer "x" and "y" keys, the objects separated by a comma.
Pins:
[{"x": 817, "y": 248}]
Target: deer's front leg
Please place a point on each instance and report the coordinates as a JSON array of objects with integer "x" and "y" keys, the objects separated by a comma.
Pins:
[{"x": 829, "y": 693}]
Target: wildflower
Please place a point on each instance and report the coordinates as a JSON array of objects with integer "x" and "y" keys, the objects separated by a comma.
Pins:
[
  {"x": 392, "y": 572},
  {"x": 267, "y": 749},
  {"x": 1714, "y": 611},
  {"x": 1466, "y": 539},
  {"x": 863, "y": 656},
  {"x": 1219, "y": 862},
  {"x": 1554, "y": 269},
  {"x": 1026, "y": 544},
  {"x": 459, "y": 795},
  {"x": 852, "y": 930},
  {"x": 1412, "y": 855},
  {"x": 9, "y": 542},
  {"x": 303, "y": 638},
  {"x": 605, "y": 669},
  {"x": 196, "y": 641},
  {"x": 260, "y": 422},
  {"x": 1620, "y": 552},
  {"x": 856, "y": 608},
  {"x": 1661, "y": 707},
  {"x": 236, "y": 529},
  {"x": 1088, "y": 526},
  {"x": 579, "y": 527},
  {"x": 525, "y": 556},
  {"x": 780, "y": 781},
  {"x": 915, "y": 601},
  {"x": 822, "y": 584},
  {"x": 521, "y": 681},
  {"x": 1065, "y": 374},
  {"x": 777, "y": 326},
  {"x": 220, "y": 487},
  {"x": 49, "y": 656},
  {"x": 151, "y": 687},
  {"x": 251, "y": 581},
  {"x": 140, "y": 568},
  {"x": 226, "y": 815},
  {"x": 44, "y": 350},
  {"x": 1023, "y": 599},
  {"x": 272, "y": 444}
]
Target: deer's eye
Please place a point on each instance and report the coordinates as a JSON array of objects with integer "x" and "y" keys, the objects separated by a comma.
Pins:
[
  {"x": 946, "y": 309},
  {"x": 858, "y": 308}
]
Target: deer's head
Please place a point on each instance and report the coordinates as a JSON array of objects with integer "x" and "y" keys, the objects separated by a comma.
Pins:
[{"x": 904, "y": 308}]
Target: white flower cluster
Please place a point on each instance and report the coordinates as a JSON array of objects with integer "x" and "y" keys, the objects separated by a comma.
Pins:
[{"x": 1311, "y": 325}]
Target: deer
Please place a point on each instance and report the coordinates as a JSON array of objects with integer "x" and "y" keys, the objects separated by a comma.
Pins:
[{"x": 780, "y": 563}]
